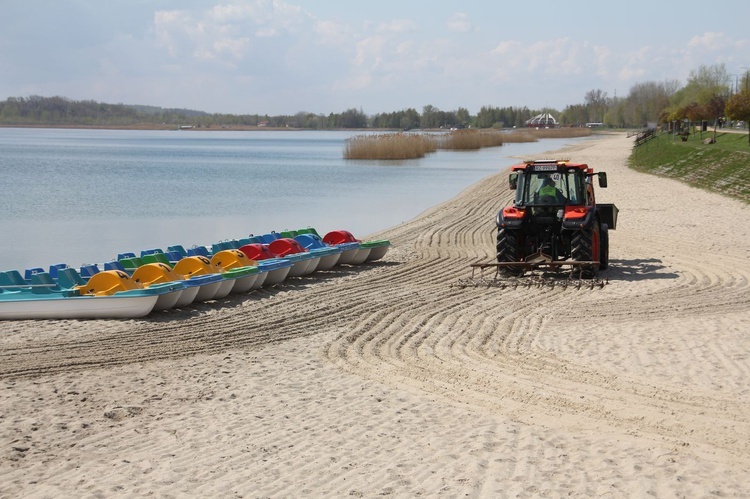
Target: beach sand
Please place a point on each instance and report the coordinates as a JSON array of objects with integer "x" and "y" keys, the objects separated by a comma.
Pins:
[{"x": 389, "y": 380}]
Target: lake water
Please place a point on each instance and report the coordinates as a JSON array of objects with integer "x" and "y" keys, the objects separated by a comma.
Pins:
[{"x": 78, "y": 196}]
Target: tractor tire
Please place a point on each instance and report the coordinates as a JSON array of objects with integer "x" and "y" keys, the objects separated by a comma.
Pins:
[
  {"x": 604, "y": 247},
  {"x": 585, "y": 247},
  {"x": 509, "y": 250}
]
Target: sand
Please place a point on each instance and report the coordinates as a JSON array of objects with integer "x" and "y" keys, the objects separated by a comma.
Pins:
[{"x": 389, "y": 380}]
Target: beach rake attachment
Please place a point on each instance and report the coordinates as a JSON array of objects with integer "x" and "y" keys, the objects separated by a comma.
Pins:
[{"x": 538, "y": 273}]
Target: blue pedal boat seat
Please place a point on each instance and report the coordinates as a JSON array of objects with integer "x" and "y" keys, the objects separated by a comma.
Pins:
[
  {"x": 114, "y": 265},
  {"x": 179, "y": 249},
  {"x": 88, "y": 270}
]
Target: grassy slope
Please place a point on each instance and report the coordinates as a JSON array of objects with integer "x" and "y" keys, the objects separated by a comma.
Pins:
[{"x": 723, "y": 167}]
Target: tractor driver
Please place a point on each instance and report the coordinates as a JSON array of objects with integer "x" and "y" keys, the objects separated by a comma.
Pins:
[{"x": 549, "y": 194}]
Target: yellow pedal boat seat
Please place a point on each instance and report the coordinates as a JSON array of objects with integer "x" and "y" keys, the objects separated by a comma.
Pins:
[
  {"x": 232, "y": 259},
  {"x": 108, "y": 282},
  {"x": 195, "y": 265},
  {"x": 155, "y": 273}
]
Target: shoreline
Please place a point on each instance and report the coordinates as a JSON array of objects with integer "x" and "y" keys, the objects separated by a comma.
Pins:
[
  {"x": 154, "y": 127},
  {"x": 388, "y": 380},
  {"x": 250, "y": 128}
]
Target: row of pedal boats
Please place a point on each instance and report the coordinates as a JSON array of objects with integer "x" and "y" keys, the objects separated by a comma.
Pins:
[{"x": 135, "y": 285}]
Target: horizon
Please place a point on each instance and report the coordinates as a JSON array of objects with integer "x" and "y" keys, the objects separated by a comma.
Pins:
[{"x": 178, "y": 109}]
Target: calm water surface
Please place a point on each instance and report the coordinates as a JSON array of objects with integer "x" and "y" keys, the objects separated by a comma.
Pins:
[{"x": 78, "y": 196}]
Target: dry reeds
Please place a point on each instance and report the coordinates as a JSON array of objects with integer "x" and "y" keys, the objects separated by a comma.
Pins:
[
  {"x": 518, "y": 136},
  {"x": 470, "y": 139},
  {"x": 416, "y": 145},
  {"x": 389, "y": 146}
]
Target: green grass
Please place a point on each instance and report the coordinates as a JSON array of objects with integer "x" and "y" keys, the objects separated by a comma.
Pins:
[{"x": 723, "y": 167}]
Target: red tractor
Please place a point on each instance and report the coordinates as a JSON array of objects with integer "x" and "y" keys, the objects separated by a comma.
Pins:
[{"x": 554, "y": 220}]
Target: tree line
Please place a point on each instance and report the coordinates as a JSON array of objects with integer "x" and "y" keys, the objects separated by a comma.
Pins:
[
  {"x": 711, "y": 93},
  {"x": 38, "y": 110}
]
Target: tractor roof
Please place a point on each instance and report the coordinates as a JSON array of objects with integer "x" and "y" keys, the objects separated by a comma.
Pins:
[{"x": 532, "y": 163}]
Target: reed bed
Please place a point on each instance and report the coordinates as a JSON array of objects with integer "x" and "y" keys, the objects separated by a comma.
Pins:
[
  {"x": 389, "y": 146},
  {"x": 518, "y": 136},
  {"x": 470, "y": 139},
  {"x": 416, "y": 145}
]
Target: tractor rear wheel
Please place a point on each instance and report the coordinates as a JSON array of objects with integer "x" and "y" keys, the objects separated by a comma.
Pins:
[
  {"x": 585, "y": 247},
  {"x": 509, "y": 250}
]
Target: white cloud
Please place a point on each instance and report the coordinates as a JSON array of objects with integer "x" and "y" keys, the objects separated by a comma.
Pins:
[
  {"x": 230, "y": 13},
  {"x": 369, "y": 51},
  {"x": 709, "y": 41},
  {"x": 507, "y": 47},
  {"x": 167, "y": 25},
  {"x": 358, "y": 82},
  {"x": 266, "y": 32},
  {"x": 379, "y": 56},
  {"x": 223, "y": 33},
  {"x": 459, "y": 23},
  {"x": 397, "y": 26},
  {"x": 552, "y": 57},
  {"x": 332, "y": 33},
  {"x": 634, "y": 63},
  {"x": 404, "y": 48},
  {"x": 602, "y": 57},
  {"x": 235, "y": 47}
]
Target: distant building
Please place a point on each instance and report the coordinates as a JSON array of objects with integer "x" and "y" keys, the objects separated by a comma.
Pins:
[
  {"x": 263, "y": 123},
  {"x": 545, "y": 120}
]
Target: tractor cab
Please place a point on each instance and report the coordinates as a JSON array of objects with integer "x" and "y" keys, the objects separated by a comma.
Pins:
[{"x": 552, "y": 183}]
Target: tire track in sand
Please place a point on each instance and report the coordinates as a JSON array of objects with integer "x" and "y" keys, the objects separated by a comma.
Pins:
[{"x": 508, "y": 353}]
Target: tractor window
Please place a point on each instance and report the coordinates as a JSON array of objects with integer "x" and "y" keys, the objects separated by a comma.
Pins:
[
  {"x": 574, "y": 186},
  {"x": 545, "y": 188}
]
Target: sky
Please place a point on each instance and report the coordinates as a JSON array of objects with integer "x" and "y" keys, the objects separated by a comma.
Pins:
[{"x": 281, "y": 57}]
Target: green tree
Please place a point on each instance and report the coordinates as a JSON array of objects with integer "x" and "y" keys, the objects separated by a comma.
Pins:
[
  {"x": 487, "y": 117},
  {"x": 704, "y": 85},
  {"x": 576, "y": 114},
  {"x": 596, "y": 105},
  {"x": 430, "y": 118},
  {"x": 352, "y": 118},
  {"x": 646, "y": 101},
  {"x": 463, "y": 116}
]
